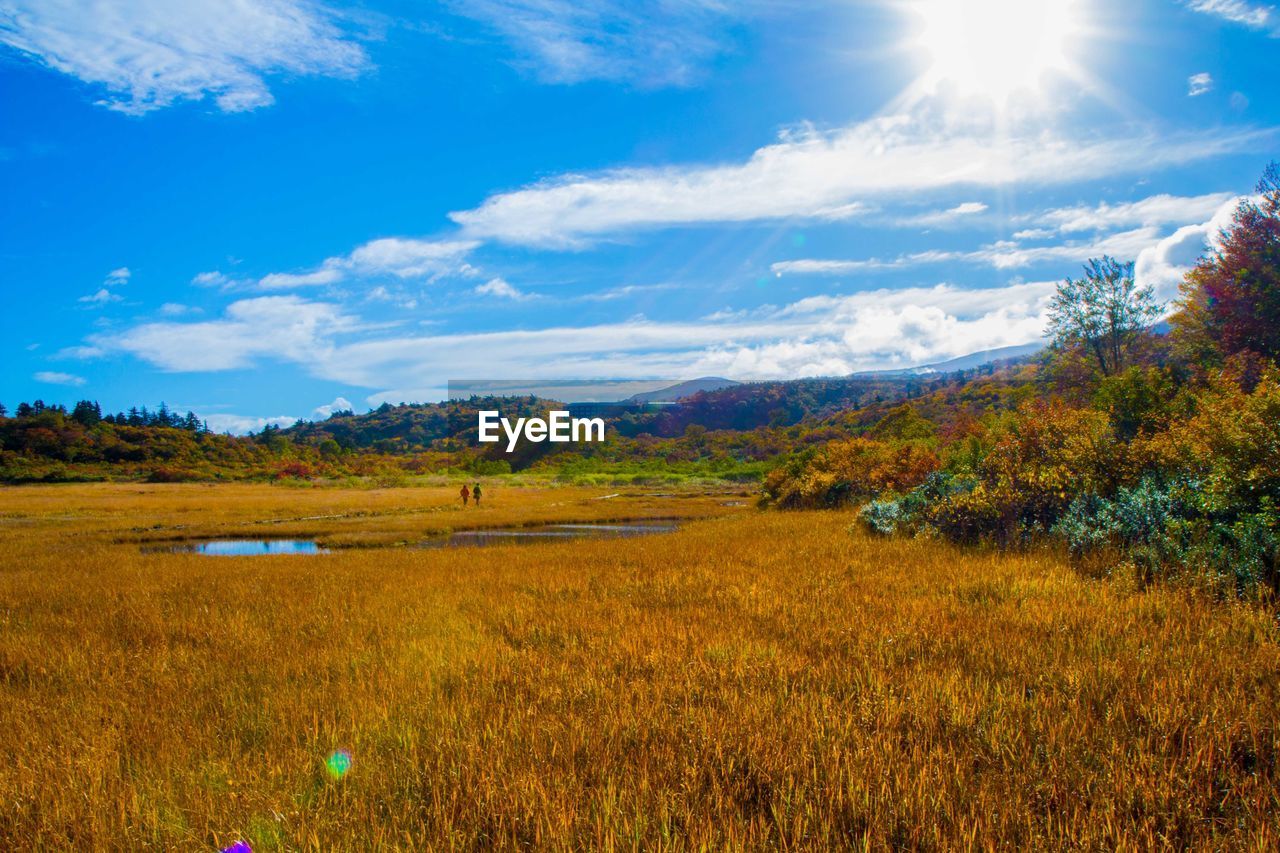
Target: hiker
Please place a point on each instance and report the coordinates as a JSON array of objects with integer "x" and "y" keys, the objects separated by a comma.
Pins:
[
  {"x": 466, "y": 493},
  {"x": 476, "y": 493}
]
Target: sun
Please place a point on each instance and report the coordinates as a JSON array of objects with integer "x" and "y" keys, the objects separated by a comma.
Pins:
[{"x": 994, "y": 48}]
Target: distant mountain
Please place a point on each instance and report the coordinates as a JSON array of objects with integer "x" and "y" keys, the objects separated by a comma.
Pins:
[
  {"x": 683, "y": 389},
  {"x": 709, "y": 402},
  {"x": 964, "y": 362}
]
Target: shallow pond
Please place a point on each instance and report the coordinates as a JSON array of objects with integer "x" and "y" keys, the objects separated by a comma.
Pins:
[
  {"x": 456, "y": 539},
  {"x": 548, "y": 533},
  {"x": 250, "y": 547}
]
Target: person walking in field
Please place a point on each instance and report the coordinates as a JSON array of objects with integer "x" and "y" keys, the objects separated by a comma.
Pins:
[
  {"x": 466, "y": 493},
  {"x": 476, "y": 493}
]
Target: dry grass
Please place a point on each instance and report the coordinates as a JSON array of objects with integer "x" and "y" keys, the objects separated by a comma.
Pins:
[{"x": 755, "y": 679}]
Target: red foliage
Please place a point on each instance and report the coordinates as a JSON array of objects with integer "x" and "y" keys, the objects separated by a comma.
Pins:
[
  {"x": 299, "y": 470},
  {"x": 1232, "y": 297}
]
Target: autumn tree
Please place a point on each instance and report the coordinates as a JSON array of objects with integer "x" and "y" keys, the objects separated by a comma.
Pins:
[
  {"x": 1231, "y": 300},
  {"x": 1102, "y": 313}
]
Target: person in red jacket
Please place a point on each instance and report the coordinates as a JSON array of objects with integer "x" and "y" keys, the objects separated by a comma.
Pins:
[{"x": 466, "y": 494}]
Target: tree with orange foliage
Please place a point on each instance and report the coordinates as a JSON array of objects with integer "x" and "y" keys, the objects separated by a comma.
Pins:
[{"x": 1231, "y": 300}]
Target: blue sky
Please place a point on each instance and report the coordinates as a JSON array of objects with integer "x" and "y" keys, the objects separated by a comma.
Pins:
[{"x": 258, "y": 210}]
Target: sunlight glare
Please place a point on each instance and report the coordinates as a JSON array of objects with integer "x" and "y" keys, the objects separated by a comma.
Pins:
[{"x": 994, "y": 48}]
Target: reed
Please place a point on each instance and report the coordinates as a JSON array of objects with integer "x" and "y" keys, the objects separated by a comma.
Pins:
[{"x": 753, "y": 679}]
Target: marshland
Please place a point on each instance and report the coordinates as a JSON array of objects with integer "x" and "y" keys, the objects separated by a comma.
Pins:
[{"x": 750, "y": 678}]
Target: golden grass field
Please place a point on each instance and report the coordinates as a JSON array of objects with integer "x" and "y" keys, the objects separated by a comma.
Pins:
[{"x": 755, "y": 679}]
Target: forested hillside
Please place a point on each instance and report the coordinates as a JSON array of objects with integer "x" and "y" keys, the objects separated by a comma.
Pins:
[
  {"x": 1159, "y": 454},
  {"x": 1119, "y": 439}
]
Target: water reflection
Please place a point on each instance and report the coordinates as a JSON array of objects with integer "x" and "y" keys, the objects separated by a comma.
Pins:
[
  {"x": 251, "y": 547},
  {"x": 548, "y": 533}
]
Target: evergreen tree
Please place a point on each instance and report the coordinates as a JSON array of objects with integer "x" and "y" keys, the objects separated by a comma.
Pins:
[{"x": 86, "y": 413}]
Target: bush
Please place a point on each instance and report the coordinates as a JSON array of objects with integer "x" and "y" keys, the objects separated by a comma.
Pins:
[
  {"x": 844, "y": 471},
  {"x": 162, "y": 474},
  {"x": 488, "y": 467},
  {"x": 296, "y": 470},
  {"x": 1043, "y": 456},
  {"x": 1166, "y": 530},
  {"x": 882, "y": 517}
]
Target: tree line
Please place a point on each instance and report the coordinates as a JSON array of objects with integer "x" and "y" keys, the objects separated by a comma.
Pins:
[
  {"x": 89, "y": 413},
  {"x": 1154, "y": 453}
]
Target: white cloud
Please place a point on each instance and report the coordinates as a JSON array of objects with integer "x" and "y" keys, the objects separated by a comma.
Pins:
[
  {"x": 819, "y": 335},
  {"x": 148, "y": 54},
  {"x": 844, "y": 212},
  {"x": 808, "y": 174},
  {"x": 405, "y": 258},
  {"x": 285, "y": 281},
  {"x": 949, "y": 216},
  {"x": 821, "y": 266},
  {"x": 339, "y": 404},
  {"x": 1008, "y": 255},
  {"x": 54, "y": 378},
  {"x": 499, "y": 288},
  {"x": 244, "y": 424},
  {"x": 1252, "y": 15},
  {"x": 1163, "y": 265},
  {"x": 396, "y": 257},
  {"x": 215, "y": 278},
  {"x": 649, "y": 43},
  {"x": 1199, "y": 84},
  {"x": 175, "y": 309},
  {"x": 623, "y": 291},
  {"x": 1154, "y": 210},
  {"x": 101, "y": 297},
  {"x": 285, "y": 327},
  {"x": 1034, "y": 234},
  {"x": 1001, "y": 256},
  {"x": 382, "y": 293},
  {"x": 1147, "y": 214}
]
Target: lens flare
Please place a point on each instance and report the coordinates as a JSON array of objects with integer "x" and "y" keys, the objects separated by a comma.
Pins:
[{"x": 338, "y": 764}]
